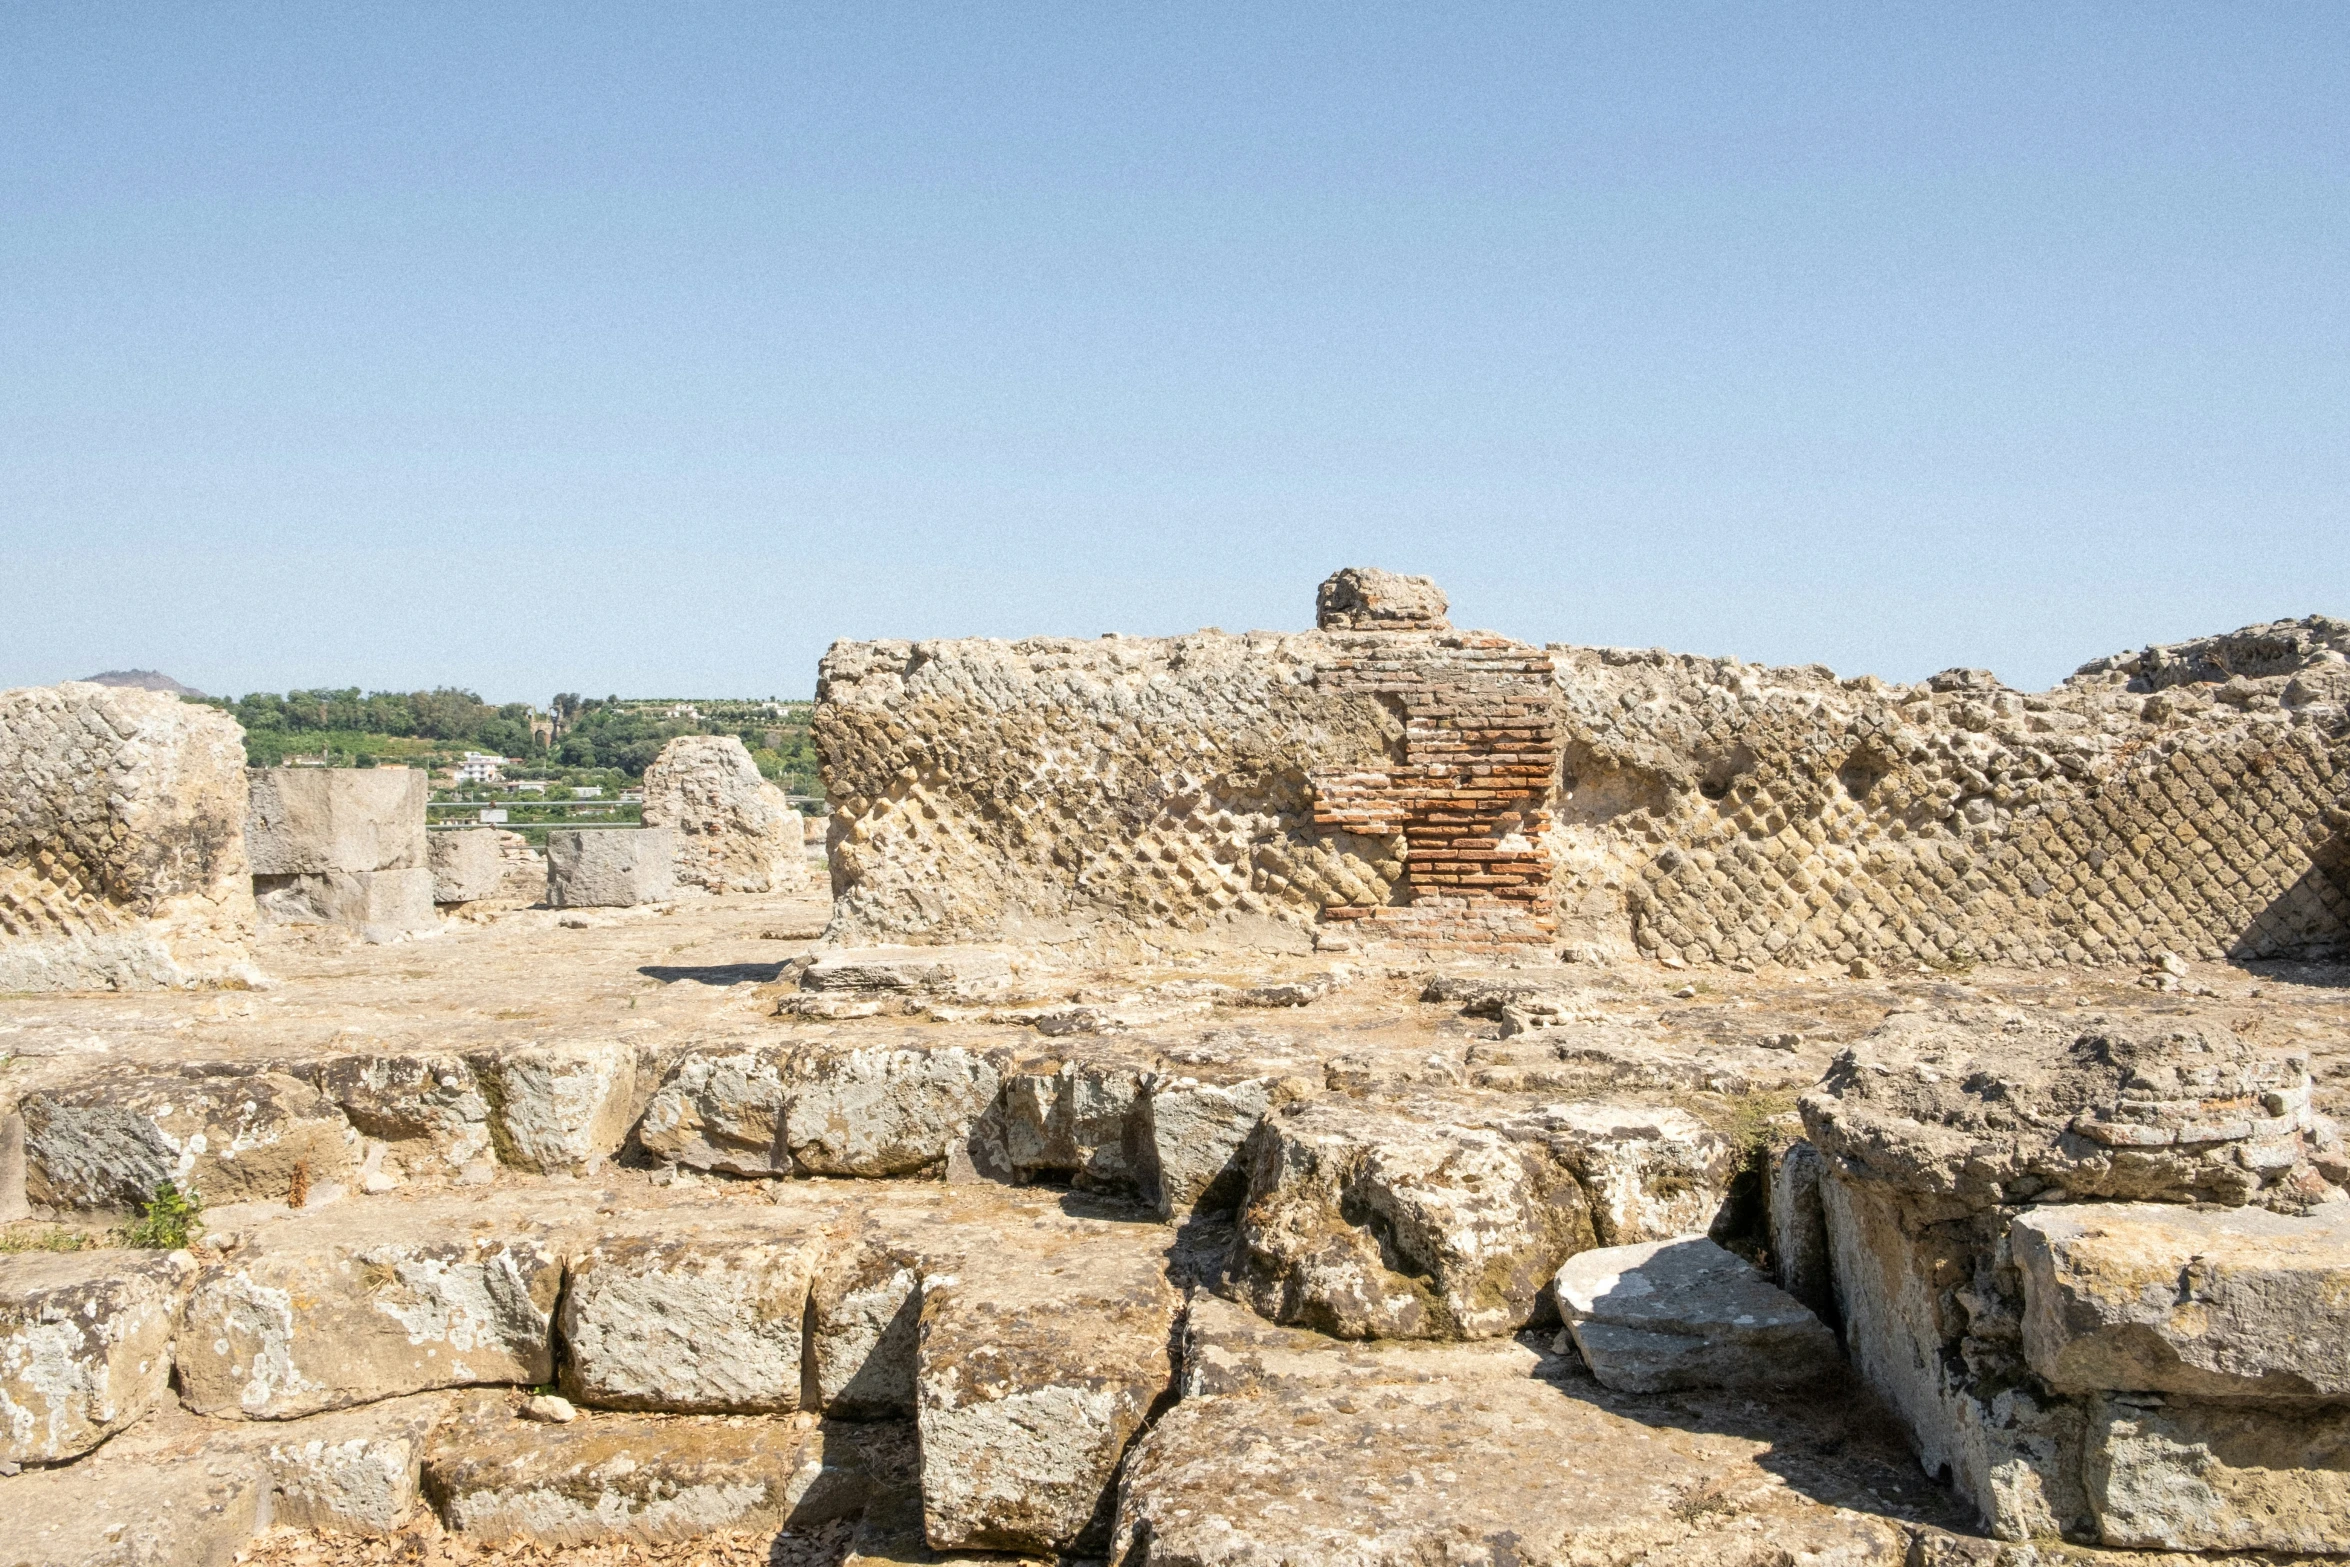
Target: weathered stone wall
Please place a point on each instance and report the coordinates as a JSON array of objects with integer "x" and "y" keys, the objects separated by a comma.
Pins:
[
  {"x": 1391, "y": 777},
  {"x": 122, "y": 850},
  {"x": 2186, "y": 799}
]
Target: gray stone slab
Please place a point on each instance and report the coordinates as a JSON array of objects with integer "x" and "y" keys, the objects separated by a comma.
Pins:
[
  {"x": 610, "y": 868},
  {"x": 310, "y": 820},
  {"x": 1687, "y": 1314}
]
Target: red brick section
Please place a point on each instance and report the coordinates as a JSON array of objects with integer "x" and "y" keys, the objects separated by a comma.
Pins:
[{"x": 1470, "y": 798}]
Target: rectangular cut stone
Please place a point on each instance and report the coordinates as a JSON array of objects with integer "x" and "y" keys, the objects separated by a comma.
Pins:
[
  {"x": 2159, "y": 1297},
  {"x": 610, "y": 868},
  {"x": 558, "y": 1109},
  {"x": 468, "y": 865},
  {"x": 701, "y": 1324},
  {"x": 85, "y": 1346},
  {"x": 2189, "y": 1475},
  {"x": 379, "y": 905},
  {"x": 313, "y": 820},
  {"x": 370, "y": 1300}
]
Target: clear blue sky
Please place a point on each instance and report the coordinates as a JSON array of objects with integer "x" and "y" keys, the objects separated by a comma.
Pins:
[{"x": 647, "y": 349}]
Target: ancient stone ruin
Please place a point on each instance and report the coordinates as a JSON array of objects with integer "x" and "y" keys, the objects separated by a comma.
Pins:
[
  {"x": 1382, "y": 1094},
  {"x": 1388, "y": 780}
]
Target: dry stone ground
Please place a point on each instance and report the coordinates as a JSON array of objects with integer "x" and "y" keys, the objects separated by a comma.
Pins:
[{"x": 966, "y": 1258}]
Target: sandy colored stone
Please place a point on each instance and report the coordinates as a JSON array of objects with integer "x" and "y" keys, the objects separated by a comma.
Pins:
[
  {"x": 1667, "y": 1315},
  {"x": 2147, "y": 1297},
  {"x": 1191, "y": 1135},
  {"x": 1288, "y": 1449},
  {"x": 733, "y": 830},
  {"x": 1039, "y": 1356},
  {"x": 610, "y": 867},
  {"x": 723, "y": 1110},
  {"x": 468, "y": 865},
  {"x": 883, "y": 1111},
  {"x": 1073, "y": 1120},
  {"x": 946, "y": 970},
  {"x": 122, "y": 852},
  {"x": 166, "y": 1493},
  {"x": 1364, "y": 598},
  {"x": 559, "y": 1107},
  {"x": 377, "y": 906},
  {"x": 85, "y": 1346},
  {"x": 428, "y": 1109},
  {"x": 1371, "y": 1221},
  {"x": 699, "y": 1324},
  {"x": 312, "y": 820},
  {"x": 227, "y": 1136},
  {"x": 369, "y": 1300},
  {"x": 1650, "y": 1173},
  {"x": 2192, "y": 1475},
  {"x": 491, "y": 1476},
  {"x": 354, "y": 1472}
]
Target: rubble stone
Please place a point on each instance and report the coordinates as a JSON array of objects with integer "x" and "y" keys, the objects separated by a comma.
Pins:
[
  {"x": 228, "y": 1137},
  {"x": 1666, "y": 1315},
  {"x": 1369, "y": 1221},
  {"x": 1364, "y": 598},
  {"x": 610, "y": 867},
  {"x": 122, "y": 854},
  {"x": 733, "y": 830},
  {"x": 85, "y": 1347}
]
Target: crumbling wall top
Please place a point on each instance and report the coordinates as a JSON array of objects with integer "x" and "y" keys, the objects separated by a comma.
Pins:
[{"x": 1364, "y": 598}]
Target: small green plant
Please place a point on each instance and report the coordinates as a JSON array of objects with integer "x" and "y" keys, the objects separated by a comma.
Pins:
[{"x": 170, "y": 1221}]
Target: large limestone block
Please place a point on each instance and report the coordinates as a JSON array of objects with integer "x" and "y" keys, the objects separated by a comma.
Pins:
[
  {"x": 1667, "y": 1315},
  {"x": 1038, "y": 1359},
  {"x": 1370, "y": 1221},
  {"x": 1072, "y": 1119},
  {"x": 722, "y": 1110},
  {"x": 1192, "y": 1135},
  {"x": 380, "y": 906},
  {"x": 558, "y": 1109},
  {"x": 227, "y": 1136},
  {"x": 1651, "y": 1173},
  {"x": 1289, "y": 1449},
  {"x": 315, "y": 820},
  {"x": 85, "y": 1346},
  {"x": 122, "y": 843},
  {"x": 428, "y": 1109},
  {"x": 352, "y": 1472},
  {"x": 610, "y": 867},
  {"x": 950, "y": 970},
  {"x": 2224, "y": 1303},
  {"x": 701, "y": 1324},
  {"x": 884, "y": 1111},
  {"x": 2007, "y": 1452},
  {"x": 1364, "y": 598},
  {"x": 2188, "y": 1475},
  {"x": 468, "y": 865},
  {"x": 169, "y": 1492},
  {"x": 734, "y": 831},
  {"x": 371, "y": 1300},
  {"x": 645, "y": 1478},
  {"x": 865, "y": 1325}
]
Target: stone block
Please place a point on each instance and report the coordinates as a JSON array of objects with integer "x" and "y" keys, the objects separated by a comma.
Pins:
[
  {"x": 1375, "y": 1221},
  {"x": 378, "y": 905},
  {"x": 468, "y": 865},
  {"x": 1799, "y": 1227},
  {"x": 640, "y": 1478},
  {"x": 864, "y": 1324},
  {"x": 169, "y": 1492},
  {"x": 884, "y": 1111},
  {"x": 702, "y": 1324},
  {"x": 1192, "y": 1135},
  {"x": 1035, "y": 1368},
  {"x": 734, "y": 831},
  {"x": 722, "y": 1110},
  {"x": 372, "y": 1300},
  {"x": 558, "y": 1109},
  {"x": 307, "y": 821},
  {"x": 122, "y": 852},
  {"x": 948, "y": 970},
  {"x": 1669, "y": 1315},
  {"x": 2158, "y": 1297},
  {"x": 1364, "y": 598},
  {"x": 2176, "y": 1474},
  {"x": 1651, "y": 1173},
  {"x": 352, "y": 1472},
  {"x": 85, "y": 1346},
  {"x": 610, "y": 868},
  {"x": 227, "y": 1135},
  {"x": 428, "y": 1110}
]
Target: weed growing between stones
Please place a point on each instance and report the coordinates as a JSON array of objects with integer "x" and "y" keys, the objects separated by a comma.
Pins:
[{"x": 168, "y": 1222}]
